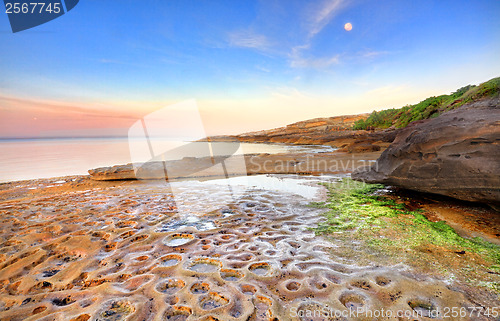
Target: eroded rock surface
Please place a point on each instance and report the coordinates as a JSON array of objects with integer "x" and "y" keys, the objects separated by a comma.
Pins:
[
  {"x": 131, "y": 250},
  {"x": 456, "y": 154}
]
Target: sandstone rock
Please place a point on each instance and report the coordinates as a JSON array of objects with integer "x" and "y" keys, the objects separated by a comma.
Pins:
[
  {"x": 361, "y": 147},
  {"x": 334, "y": 131},
  {"x": 456, "y": 154},
  {"x": 203, "y": 168}
]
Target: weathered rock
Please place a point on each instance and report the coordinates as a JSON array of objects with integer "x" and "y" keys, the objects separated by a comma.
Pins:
[
  {"x": 334, "y": 131},
  {"x": 203, "y": 168},
  {"x": 456, "y": 154}
]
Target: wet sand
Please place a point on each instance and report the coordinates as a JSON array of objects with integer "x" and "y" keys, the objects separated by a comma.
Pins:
[{"x": 78, "y": 249}]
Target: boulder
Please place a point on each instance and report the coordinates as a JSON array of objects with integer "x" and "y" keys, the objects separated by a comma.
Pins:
[{"x": 456, "y": 154}]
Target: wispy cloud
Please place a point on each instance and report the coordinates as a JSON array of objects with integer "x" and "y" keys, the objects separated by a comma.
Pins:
[
  {"x": 318, "y": 17},
  {"x": 264, "y": 69},
  {"x": 49, "y": 118},
  {"x": 111, "y": 61},
  {"x": 120, "y": 62},
  {"x": 313, "y": 18},
  {"x": 289, "y": 93},
  {"x": 321, "y": 15},
  {"x": 316, "y": 63},
  {"x": 248, "y": 39},
  {"x": 297, "y": 59},
  {"x": 373, "y": 54},
  {"x": 9, "y": 103},
  {"x": 388, "y": 90}
]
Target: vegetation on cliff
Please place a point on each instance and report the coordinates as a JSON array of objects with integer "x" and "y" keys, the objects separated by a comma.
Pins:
[{"x": 430, "y": 107}]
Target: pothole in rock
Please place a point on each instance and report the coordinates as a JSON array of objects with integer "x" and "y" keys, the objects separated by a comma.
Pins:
[
  {"x": 212, "y": 301},
  {"x": 116, "y": 310},
  {"x": 230, "y": 275},
  {"x": 179, "y": 240},
  {"x": 170, "y": 286},
  {"x": 49, "y": 273},
  {"x": 200, "y": 288},
  {"x": 352, "y": 300},
  {"x": 293, "y": 286},
  {"x": 200, "y": 225},
  {"x": 248, "y": 289},
  {"x": 260, "y": 269},
  {"x": 177, "y": 313},
  {"x": 262, "y": 306},
  {"x": 205, "y": 265},
  {"x": 170, "y": 260},
  {"x": 382, "y": 280}
]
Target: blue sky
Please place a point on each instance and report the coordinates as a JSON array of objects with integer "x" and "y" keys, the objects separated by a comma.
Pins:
[{"x": 250, "y": 65}]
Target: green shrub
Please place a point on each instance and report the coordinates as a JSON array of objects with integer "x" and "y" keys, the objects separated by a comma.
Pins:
[{"x": 428, "y": 108}]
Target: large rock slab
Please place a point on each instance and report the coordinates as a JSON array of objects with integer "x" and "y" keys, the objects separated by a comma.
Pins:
[
  {"x": 254, "y": 164},
  {"x": 456, "y": 154}
]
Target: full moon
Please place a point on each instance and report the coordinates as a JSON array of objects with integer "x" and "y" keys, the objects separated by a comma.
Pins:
[{"x": 348, "y": 26}]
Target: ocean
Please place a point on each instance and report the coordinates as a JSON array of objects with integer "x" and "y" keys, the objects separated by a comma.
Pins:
[{"x": 22, "y": 159}]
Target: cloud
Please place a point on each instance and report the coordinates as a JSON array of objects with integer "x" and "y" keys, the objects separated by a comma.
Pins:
[
  {"x": 387, "y": 90},
  {"x": 310, "y": 21},
  {"x": 289, "y": 93},
  {"x": 318, "y": 17},
  {"x": 297, "y": 60},
  {"x": 321, "y": 16},
  {"x": 248, "y": 39},
  {"x": 264, "y": 69},
  {"x": 317, "y": 63},
  {"x": 372, "y": 54},
  {"x": 119, "y": 62},
  {"x": 59, "y": 109},
  {"x": 110, "y": 61},
  {"x": 22, "y": 117}
]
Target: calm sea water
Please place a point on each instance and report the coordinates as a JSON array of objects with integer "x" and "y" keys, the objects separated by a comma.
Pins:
[{"x": 29, "y": 159}]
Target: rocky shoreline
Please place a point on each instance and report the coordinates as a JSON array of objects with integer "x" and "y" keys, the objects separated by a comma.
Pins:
[
  {"x": 77, "y": 248},
  {"x": 122, "y": 243},
  {"x": 456, "y": 154}
]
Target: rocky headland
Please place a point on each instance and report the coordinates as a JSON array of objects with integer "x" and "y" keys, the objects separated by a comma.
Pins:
[
  {"x": 447, "y": 145},
  {"x": 336, "y": 131},
  {"x": 456, "y": 154}
]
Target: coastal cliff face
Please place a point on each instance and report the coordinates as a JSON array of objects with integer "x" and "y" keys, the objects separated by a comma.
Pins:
[
  {"x": 333, "y": 131},
  {"x": 456, "y": 154}
]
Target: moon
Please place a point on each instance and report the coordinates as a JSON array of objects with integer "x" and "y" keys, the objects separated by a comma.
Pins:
[{"x": 348, "y": 26}]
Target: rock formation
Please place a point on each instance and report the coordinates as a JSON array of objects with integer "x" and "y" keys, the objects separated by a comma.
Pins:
[
  {"x": 456, "y": 154},
  {"x": 333, "y": 131},
  {"x": 254, "y": 164}
]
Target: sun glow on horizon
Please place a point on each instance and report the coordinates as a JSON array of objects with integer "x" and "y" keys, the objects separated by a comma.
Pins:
[{"x": 248, "y": 67}]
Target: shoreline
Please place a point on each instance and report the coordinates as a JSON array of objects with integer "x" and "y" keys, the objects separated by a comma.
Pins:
[
  {"x": 138, "y": 248},
  {"x": 450, "y": 210}
]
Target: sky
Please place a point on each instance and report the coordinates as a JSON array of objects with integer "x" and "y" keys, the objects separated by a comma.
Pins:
[{"x": 250, "y": 65}]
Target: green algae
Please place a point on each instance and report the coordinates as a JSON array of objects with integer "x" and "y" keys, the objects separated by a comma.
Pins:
[{"x": 361, "y": 212}]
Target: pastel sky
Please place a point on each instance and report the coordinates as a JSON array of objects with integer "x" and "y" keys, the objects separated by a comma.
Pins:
[{"x": 249, "y": 64}]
